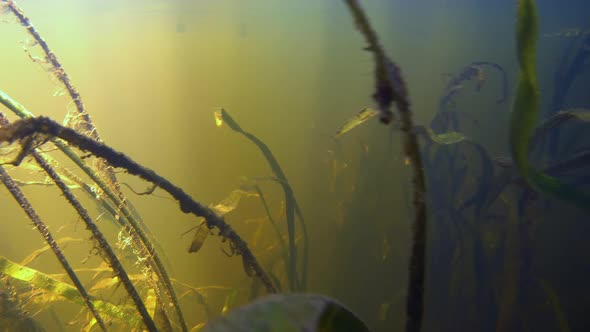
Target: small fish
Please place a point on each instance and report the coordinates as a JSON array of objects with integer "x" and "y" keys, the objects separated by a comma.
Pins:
[{"x": 359, "y": 118}]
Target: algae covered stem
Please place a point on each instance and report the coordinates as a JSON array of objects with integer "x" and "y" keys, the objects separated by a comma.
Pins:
[
  {"x": 61, "y": 74},
  {"x": 44, "y": 126},
  {"x": 18, "y": 195},
  {"x": 390, "y": 88}
]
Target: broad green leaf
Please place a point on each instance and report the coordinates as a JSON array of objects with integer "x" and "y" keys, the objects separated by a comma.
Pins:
[{"x": 290, "y": 313}]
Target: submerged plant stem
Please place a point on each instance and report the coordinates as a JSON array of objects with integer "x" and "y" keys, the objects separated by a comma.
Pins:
[
  {"x": 45, "y": 126},
  {"x": 18, "y": 195},
  {"x": 58, "y": 69},
  {"x": 127, "y": 219},
  {"x": 104, "y": 246},
  {"x": 390, "y": 88}
]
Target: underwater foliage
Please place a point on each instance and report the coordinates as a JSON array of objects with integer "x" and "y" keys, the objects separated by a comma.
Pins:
[
  {"x": 472, "y": 267},
  {"x": 296, "y": 283},
  {"x": 390, "y": 88},
  {"x": 35, "y": 278},
  {"x": 526, "y": 107},
  {"x": 290, "y": 313}
]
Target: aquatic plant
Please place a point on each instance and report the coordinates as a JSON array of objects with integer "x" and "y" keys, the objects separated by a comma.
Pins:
[
  {"x": 446, "y": 119},
  {"x": 40, "y": 225},
  {"x": 57, "y": 287},
  {"x": 480, "y": 209},
  {"x": 291, "y": 206},
  {"x": 573, "y": 61},
  {"x": 116, "y": 204},
  {"x": 390, "y": 88},
  {"x": 101, "y": 173},
  {"x": 526, "y": 107}
]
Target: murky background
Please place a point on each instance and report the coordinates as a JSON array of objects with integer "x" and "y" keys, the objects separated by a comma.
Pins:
[{"x": 152, "y": 73}]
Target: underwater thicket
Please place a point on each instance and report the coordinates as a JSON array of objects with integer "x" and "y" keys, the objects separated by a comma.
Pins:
[
  {"x": 475, "y": 216},
  {"x": 105, "y": 190},
  {"x": 486, "y": 212}
]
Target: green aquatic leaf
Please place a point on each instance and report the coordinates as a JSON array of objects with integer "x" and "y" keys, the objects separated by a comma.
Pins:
[
  {"x": 358, "y": 119},
  {"x": 291, "y": 206},
  {"x": 290, "y": 313},
  {"x": 43, "y": 281},
  {"x": 38, "y": 252},
  {"x": 526, "y": 108}
]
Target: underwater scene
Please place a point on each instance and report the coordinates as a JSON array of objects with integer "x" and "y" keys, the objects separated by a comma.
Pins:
[{"x": 263, "y": 165}]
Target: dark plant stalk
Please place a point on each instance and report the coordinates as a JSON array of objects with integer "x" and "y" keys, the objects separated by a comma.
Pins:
[
  {"x": 127, "y": 220},
  {"x": 18, "y": 195},
  {"x": 132, "y": 227},
  {"x": 390, "y": 88},
  {"x": 104, "y": 246},
  {"x": 58, "y": 69},
  {"x": 45, "y": 126},
  {"x": 291, "y": 206},
  {"x": 85, "y": 126}
]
